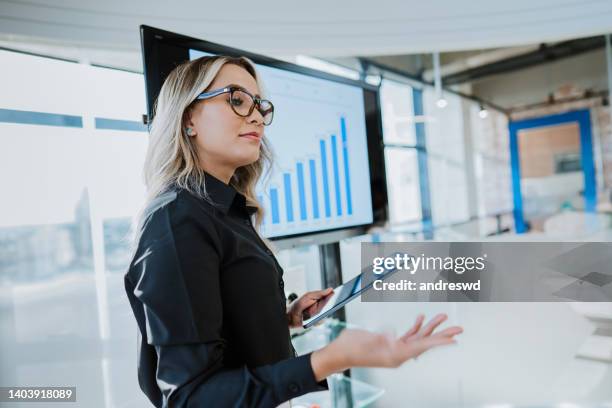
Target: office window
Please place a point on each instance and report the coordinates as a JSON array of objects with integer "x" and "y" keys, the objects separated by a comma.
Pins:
[
  {"x": 403, "y": 185},
  {"x": 398, "y": 113},
  {"x": 490, "y": 143},
  {"x": 71, "y": 154},
  {"x": 445, "y": 141},
  {"x": 403, "y": 177}
]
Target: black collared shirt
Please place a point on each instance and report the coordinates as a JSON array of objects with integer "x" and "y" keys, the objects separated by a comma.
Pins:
[{"x": 210, "y": 305}]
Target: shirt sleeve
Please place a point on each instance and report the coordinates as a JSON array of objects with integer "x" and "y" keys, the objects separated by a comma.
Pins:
[
  {"x": 180, "y": 291},
  {"x": 188, "y": 377}
]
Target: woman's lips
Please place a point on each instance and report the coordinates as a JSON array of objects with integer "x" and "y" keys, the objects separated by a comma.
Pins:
[{"x": 251, "y": 135}]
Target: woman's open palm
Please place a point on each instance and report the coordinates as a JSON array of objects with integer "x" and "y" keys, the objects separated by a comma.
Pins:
[{"x": 368, "y": 349}]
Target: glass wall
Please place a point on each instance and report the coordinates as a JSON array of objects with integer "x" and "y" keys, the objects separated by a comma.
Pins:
[
  {"x": 465, "y": 167},
  {"x": 446, "y": 159},
  {"x": 401, "y": 152},
  {"x": 491, "y": 147},
  {"x": 71, "y": 153}
]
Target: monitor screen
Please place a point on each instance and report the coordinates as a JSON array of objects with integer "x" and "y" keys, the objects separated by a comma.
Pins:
[{"x": 322, "y": 136}]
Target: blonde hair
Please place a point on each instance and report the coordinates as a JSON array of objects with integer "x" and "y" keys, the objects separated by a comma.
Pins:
[{"x": 172, "y": 157}]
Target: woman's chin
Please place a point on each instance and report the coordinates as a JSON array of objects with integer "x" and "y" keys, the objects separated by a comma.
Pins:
[{"x": 247, "y": 159}]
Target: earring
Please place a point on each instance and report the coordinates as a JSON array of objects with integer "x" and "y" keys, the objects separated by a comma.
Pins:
[{"x": 189, "y": 131}]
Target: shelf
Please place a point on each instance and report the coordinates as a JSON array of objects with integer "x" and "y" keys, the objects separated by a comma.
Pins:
[
  {"x": 343, "y": 391},
  {"x": 318, "y": 336}
]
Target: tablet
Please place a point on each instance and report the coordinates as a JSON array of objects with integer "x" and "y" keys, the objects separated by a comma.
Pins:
[{"x": 344, "y": 294}]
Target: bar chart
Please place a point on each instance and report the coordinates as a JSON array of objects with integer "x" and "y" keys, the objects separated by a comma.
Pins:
[
  {"x": 328, "y": 172},
  {"x": 316, "y": 189}
]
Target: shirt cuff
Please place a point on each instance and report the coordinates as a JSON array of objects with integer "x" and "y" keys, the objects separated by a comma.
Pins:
[{"x": 302, "y": 381}]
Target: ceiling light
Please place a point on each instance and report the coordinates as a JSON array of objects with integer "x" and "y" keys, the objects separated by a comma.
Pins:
[{"x": 483, "y": 113}]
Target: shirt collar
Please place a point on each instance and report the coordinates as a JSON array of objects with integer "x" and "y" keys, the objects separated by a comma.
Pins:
[{"x": 224, "y": 195}]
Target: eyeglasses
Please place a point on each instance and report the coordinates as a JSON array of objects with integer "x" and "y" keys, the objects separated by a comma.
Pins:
[{"x": 243, "y": 103}]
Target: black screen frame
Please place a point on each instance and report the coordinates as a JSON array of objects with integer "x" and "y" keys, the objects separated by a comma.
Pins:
[{"x": 163, "y": 50}]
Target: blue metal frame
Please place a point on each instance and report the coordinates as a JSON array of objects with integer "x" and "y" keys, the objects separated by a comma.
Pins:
[
  {"x": 583, "y": 118},
  {"x": 421, "y": 142}
]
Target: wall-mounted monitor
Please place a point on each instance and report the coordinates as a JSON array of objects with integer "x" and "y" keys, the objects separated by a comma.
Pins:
[{"x": 328, "y": 176}]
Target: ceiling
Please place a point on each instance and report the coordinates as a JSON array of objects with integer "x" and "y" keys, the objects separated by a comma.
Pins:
[{"x": 316, "y": 27}]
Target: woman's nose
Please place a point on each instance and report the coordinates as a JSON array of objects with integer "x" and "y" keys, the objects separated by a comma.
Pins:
[{"x": 256, "y": 117}]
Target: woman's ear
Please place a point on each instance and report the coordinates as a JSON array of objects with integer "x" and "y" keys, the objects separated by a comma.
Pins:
[{"x": 188, "y": 125}]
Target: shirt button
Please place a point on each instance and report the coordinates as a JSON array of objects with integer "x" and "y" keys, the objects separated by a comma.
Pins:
[
  {"x": 268, "y": 252},
  {"x": 281, "y": 284},
  {"x": 293, "y": 387}
]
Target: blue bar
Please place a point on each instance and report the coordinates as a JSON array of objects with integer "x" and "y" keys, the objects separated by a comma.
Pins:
[
  {"x": 325, "y": 181},
  {"x": 300, "y": 176},
  {"x": 336, "y": 175},
  {"x": 347, "y": 177},
  {"x": 288, "y": 197},
  {"x": 515, "y": 164},
  {"x": 274, "y": 202},
  {"x": 40, "y": 118},
  {"x": 117, "y": 124},
  {"x": 314, "y": 188}
]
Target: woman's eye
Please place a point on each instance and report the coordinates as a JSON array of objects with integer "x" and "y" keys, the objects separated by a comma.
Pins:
[{"x": 236, "y": 101}]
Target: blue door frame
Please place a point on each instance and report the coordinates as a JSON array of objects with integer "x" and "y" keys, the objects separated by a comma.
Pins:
[{"x": 583, "y": 118}]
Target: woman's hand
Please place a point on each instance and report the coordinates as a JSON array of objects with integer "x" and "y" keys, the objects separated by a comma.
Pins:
[
  {"x": 361, "y": 348},
  {"x": 307, "y": 305}
]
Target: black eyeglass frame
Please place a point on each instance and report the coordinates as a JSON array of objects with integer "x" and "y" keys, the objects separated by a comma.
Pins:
[{"x": 256, "y": 101}]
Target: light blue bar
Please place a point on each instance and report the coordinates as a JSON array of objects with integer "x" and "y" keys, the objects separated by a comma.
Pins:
[
  {"x": 300, "y": 176},
  {"x": 40, "y": 118},
  {"x": 288, "y": 197},
  {"x": 325, "y": 180},
  {"x": 274, "y": 203},
  {"x": 314, "y": 188},
  {"x": 118, "y": 124},
  {"x": 336, "y": 175},
  {"x": 347, "y": 176}
]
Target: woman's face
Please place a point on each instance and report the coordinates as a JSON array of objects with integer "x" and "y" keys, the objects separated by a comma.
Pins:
[{"x": 226, "y": 141}]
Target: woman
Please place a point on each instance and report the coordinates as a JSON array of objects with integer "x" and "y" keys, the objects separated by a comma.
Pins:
[{"x": 206, "y": 290}]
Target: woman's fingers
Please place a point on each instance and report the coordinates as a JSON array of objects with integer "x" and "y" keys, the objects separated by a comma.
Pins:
[
  {"x": 311, "y": 303},
  {"x": 316, "y": 307},
  {"x": 317, "y": 295},
  {"x": 310, "y": 298},
  {"x": 449, "y": 332},
  {"x": 321, "y": 293},
  {"x": 431, "y": 326},
  {"x": 418, "y": 346},
  {"x": 438, "y": 341},
  {"x": 323, "y": 300},
  {"x": 445, "y": 336},
  {"x": 414, "y": 329},
  {"x": 427, "y": 330}
]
